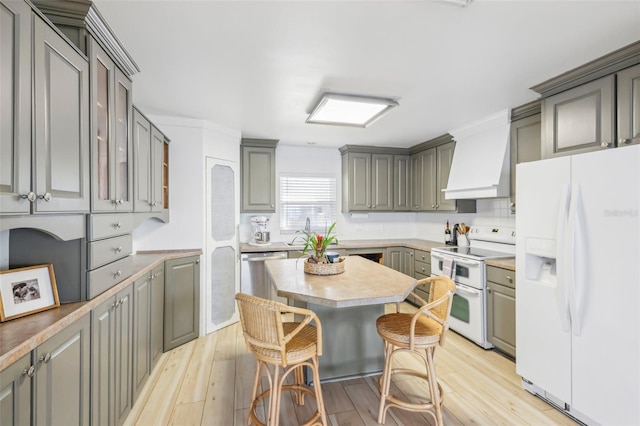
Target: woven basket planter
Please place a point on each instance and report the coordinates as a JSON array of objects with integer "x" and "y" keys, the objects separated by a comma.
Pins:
[{"x": 324, "y": 268}]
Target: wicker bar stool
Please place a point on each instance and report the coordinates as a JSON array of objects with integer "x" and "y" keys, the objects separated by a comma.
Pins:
[
  {"x": 417, "y": 333},
  {"x": 286, "y": 346}
]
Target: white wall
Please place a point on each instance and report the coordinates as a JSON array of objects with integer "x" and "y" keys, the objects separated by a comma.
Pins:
[
  {"x": 191, "y": 141},
  {"x": 430, "y": 226}
]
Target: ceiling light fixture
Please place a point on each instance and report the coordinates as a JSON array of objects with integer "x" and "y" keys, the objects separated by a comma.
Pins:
[
  {"x": 463, "y": 3},
  {"x": 350, "y": 110}
]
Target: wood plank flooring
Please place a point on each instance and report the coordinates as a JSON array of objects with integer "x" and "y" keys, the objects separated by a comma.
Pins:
[{"x": 208, "y": 382}]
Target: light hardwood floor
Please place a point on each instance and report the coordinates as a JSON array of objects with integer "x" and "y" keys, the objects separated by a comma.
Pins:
[{"x": 208, "y": 382}]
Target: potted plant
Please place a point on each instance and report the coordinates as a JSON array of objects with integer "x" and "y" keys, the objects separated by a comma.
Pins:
[{"x": 316, "y": 246}]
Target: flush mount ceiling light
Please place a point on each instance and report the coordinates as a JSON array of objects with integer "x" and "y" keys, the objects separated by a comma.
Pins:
[
  {"x": 350, "y": 110},
  {"x": 463, "y": 3}
]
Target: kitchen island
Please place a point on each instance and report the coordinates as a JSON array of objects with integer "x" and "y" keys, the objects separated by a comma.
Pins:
[{"x": 348, "y": 305}]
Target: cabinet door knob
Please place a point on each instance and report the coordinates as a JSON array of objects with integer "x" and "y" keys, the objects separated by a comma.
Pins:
[
  {"x": 46, "y": 197},
  {"x": 605, "y": 144},
  {"x": 624, "y": 141},
  {"x": 117, "y": 274},
  {"x": 197, "y": 260},
  {"x": 31, "y": 196},
  {"x": 29, "y": 372},
  {"x": 117, "y": 225},
  {"x": 118, "y": 249},
  {"x": 489, "y": 291},
  {"x": 509, "y": 278},
  {"x": 46, "y": 357},
  {"x": 433, "y": 206}
]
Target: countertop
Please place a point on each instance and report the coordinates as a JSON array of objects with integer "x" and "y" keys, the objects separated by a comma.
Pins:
[
  {"x": 19, "y": 336},
  {"x": 413, "y": 243},
  {"x": 363, "y": 282},
  {"x": 505, "y": 263}
]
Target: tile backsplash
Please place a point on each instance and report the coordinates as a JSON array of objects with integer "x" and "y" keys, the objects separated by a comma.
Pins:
[{"x": 495, "y": 211}]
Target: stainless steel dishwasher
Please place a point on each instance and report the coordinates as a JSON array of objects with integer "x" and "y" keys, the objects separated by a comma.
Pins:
[{"x": 253, "y": 279}]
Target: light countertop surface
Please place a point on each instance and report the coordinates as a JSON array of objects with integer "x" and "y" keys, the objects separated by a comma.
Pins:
[
  {"x": 505, "y": 263},
  {"x": 19, "y": 336},
  {"x": 363, "y": 282},
  {"x": 413, "y": 243}
]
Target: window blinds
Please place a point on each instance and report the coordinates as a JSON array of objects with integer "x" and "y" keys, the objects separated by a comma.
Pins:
[{"x": 310, "y": 196}]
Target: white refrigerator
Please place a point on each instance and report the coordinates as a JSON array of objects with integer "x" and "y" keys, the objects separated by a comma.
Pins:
[{"x": 578, "y": 283}]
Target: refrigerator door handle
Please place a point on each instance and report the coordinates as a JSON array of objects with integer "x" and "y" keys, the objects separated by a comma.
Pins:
[
  {"x": 562, "y": 263},
  {"x": 578, "y": 260}
]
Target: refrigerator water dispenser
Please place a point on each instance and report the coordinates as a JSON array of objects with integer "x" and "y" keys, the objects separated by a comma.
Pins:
[{"x": 540, "y": 260}]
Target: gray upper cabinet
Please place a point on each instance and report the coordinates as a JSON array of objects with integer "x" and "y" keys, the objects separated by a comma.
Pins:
[
  {"x": 367, "y": 181},
  {"x": 53, "y": 176},
  {"x": 595, "y": 106},
  {"x": 61, "y": 96},
  {"x": 423, "y": 177},
  {"x": 15, "y": 104},
  {"x": 181, "y": 301},
  {"x": 258, "y": 175},
  {"x": 151, "y": 166},
  {"x": 430, "y": 175},
  {"x": 444, "y": 157},
  {"x": 401, "y": 182},
  {"x": 15, "y": 392},
  {"x": 62, "y": 376},
  {"x": 580, "y": 120},
  {"x": 629, "y": 106},
  {"x": 370, "y": 181},
  {"x": 525, "y": 140},
  {"x": 111, "y": 147}
]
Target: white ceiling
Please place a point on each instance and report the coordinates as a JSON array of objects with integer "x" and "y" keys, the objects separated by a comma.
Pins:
[{"x": 259, "y": 66}]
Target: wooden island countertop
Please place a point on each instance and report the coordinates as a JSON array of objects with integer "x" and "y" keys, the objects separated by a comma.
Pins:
[{"x": 363, "y": 282}]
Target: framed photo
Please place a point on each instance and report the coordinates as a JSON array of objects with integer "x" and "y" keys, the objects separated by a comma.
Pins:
[{"x": 25, "y": 291}]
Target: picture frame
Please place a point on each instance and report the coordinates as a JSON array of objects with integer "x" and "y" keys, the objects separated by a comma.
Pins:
[{"x": 25, "y": 291}]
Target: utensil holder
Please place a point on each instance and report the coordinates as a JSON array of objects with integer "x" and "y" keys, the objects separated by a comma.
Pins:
[{"x": 463, "y": 240}]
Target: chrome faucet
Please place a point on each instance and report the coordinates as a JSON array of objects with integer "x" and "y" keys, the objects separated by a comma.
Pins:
[{"x": 307, "y": 226}]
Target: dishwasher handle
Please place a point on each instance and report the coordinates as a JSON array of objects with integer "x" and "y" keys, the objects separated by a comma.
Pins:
[{"x": 264, "y": 258}]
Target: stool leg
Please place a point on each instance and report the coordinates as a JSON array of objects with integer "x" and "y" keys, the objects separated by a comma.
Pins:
[
  {"x": 318, "y": 391},
  {"x": 256, "y": 382},
  {"x": 274, "y": 398},
  {"x": 299, "y": 380},
  {"x": 433, "y": 386},
  {"x": 386, "y": 382}
]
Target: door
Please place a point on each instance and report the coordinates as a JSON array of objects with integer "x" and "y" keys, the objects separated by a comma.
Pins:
[
  {"x": 402, "y": 182},
  {"x": 62, "y": 376},
  {"x": 15, "y": 392},
  {"x": 444, "y": 158},
  {"x": 429, "y": 200},
  {"x": 141, "y": 334},
  {"x": 142, "y": 161},
  {"x": 181, "y": 301},
  {"x": 15, "y": 107},
  {"x": 157, "y": 160},
  {"x": 359, "y": 181},
  {"x": 610, "y": 283},
  {"x": 157, "y": 314},
  {"x": 543, "y": 352},
  {"x": 61, "y": 96},
  {"x": 382, "y": 182},
  {"x": 629, "y": 106},
  {"x": 222, "y": 269}
]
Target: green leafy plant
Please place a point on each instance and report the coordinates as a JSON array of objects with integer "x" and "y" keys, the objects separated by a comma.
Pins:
[{"x": 317, "y": 244}]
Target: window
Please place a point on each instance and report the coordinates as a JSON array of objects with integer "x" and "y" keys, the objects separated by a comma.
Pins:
[{"x": 307, "y": 196}]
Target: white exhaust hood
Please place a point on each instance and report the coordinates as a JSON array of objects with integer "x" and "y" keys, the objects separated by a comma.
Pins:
[{"x": 481, "y": 166}]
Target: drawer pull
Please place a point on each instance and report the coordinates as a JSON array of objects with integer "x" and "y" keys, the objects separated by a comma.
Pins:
[
  {"x": 46, "y": 357},
  {"x": 29, "y": 372},
  {"x": 509, "y": 278},
  {"x": 117, "y": 274},
  {"x": 118, "y": 249},
  {"x": 117, "y": 225}
]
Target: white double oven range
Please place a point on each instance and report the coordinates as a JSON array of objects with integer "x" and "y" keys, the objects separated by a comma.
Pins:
[{"x": 466, "y": 266}]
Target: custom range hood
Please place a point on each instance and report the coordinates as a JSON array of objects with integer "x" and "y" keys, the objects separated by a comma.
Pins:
[{"x": 480, "y": 166}]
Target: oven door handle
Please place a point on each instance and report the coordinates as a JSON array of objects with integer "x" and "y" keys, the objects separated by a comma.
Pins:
[
  {"x": 470, "y": 263},
  {"x": 467, "y": 291}
]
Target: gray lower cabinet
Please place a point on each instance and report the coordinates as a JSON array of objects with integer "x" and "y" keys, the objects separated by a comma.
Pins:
[
  {"x": 181, "y": 301},
  {"x": 62, "y": 377},
  {"x": 258, "y": 175},
  {"x": 157, "y": 316},
  {"x": 111, "y": 359},
  {"x": 52, "y": 383},
  {"x": 525, "y": 141},
  {"x": 141, "y": 334},
  {"x": 501, "y": 309},
  {"x": 422, "y": 269},
  {"x": 15, "y": 392}
]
